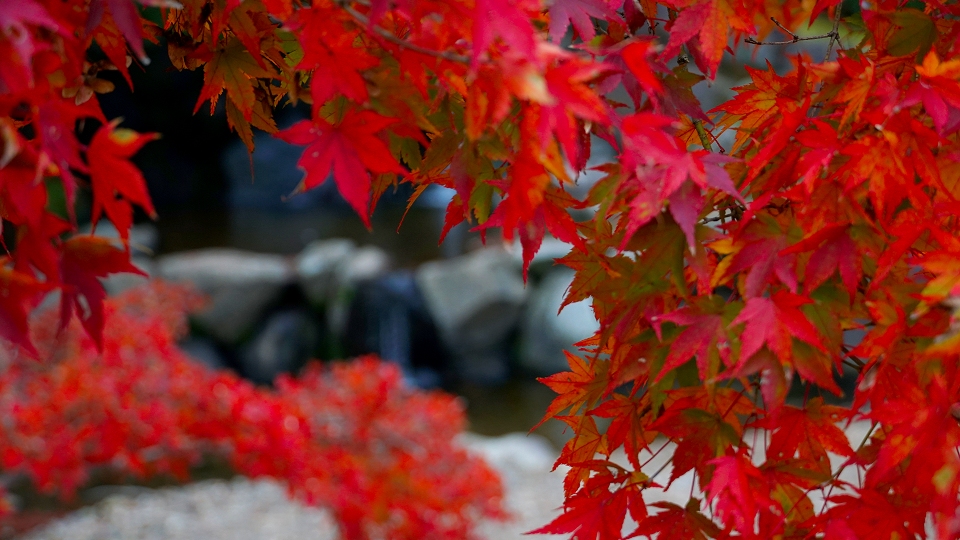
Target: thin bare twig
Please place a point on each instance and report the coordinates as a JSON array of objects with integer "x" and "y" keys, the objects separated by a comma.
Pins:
[
  {"x": 835, "y": 33},
  {"x": 388, "y": 36},
  {"x": 794, "y": 38}
]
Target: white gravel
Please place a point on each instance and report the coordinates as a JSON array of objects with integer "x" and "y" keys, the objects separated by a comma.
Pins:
[{"x": 241, "y": 509}]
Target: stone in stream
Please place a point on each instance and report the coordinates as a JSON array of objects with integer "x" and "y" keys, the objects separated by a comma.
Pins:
[
  {"x": 545, "y": 333},
  {"x": 316, "y": 267},
  {"x": 475, "y": 301},
  {"x": 388, "y": 317},
  {"x": 283, "y": 343},
  {"x": 241, "y": 286}
]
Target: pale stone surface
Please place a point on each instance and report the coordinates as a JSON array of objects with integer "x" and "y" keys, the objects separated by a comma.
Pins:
[
  {"x": 241, "y": 285},
  {"x": 547, "y": 330}
]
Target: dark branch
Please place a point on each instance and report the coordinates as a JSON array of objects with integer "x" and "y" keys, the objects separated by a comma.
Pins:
[
  {"x": 388, "y": 36},
  {"x": 833, "y": 35}
]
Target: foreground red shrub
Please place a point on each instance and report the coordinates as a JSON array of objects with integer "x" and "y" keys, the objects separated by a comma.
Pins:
[{"x": 351, "y": 437}]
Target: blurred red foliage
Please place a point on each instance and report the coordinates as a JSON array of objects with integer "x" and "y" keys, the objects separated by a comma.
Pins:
[{"x": 351, "y": 437}]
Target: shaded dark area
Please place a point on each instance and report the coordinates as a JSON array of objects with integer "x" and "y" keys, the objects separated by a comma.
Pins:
[{"x": 182, "y": 169}]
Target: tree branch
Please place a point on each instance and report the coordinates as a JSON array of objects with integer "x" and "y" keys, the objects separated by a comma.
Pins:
[
  {"x": 388, "y": 36},
  {"x": 833, "y": 35}
]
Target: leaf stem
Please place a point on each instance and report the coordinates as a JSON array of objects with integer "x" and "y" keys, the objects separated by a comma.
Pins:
[{"x": 702, "y": 133}]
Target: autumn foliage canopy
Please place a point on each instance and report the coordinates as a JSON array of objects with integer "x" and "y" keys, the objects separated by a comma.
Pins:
[{"x": 822, "y": 237}]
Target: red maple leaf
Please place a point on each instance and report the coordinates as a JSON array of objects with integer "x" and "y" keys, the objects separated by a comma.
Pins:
[
  {"x": 678, "y": 523},
  {"x": 85, "y": 259},
  {"x": 115, "y": 180},
  {"x": 629, "y": 416},
  {"x": 762, "y": 259},
  {"x": 700, "y": 339},
  {"x": 571, "y": 99},
  {"x": 579, "y": 451},
  {"x": 833, "y": 250},
  {"x": 808, "y": 433},
  {"x": 15, "y": 20},
  {"x": 329, "y": 50},
  {"x": 350, "y": 150},
  {"x": 549, "y": 214},
  {"x": 19, "y": 294},
  {"x": 705, "y": 425},
  {"x": 710, "y": 21},
  {"x": 739, "y": 491},
  {"x": 595, "y": 512},
  {"x": 563, "y": 13},
  {"x": 127, "y": 18},
  {"x": 638, "y": 56},
  {"x": 507, "y": 20},
  {"x": 581, "y": 385},
  {"x": 775, "y": 322}
]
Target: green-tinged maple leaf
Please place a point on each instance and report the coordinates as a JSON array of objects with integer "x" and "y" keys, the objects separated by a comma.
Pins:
[
  {"x": 350, "y": 150},
  {"x": 704, "y": 425},
  {"x": 916, "y": 32},
  {"x": 234, "y": 69},
  {"x": 703, "y": 338},
  {"x": 117, "y": 183},
  {"x": 85, "y": 259},
  {"x": 582, "y": 386}
]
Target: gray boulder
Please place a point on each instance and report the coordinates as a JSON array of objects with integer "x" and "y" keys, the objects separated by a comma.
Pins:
[
  {"x": 241, "y": 285},
  {"x": 545, "y": 333},
  {"x": 475, "y": 301},
  {"x": 359, "y": 266},
  {"x": 283, "y": 344},
  {"x": 317, "y": 264}
]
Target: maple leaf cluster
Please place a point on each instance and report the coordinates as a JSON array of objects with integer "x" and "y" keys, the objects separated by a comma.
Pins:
[
  {"x": 823, "y": 239},
  {"x": 343, "y": 436}
]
